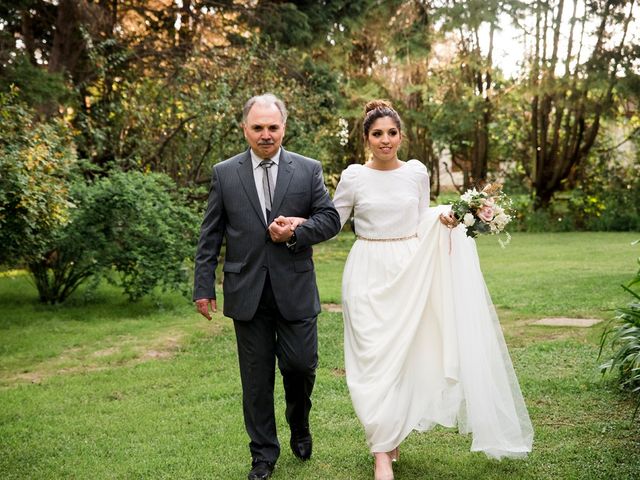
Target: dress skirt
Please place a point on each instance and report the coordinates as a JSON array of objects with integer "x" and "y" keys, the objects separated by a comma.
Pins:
[{"x": 423, "y": 345}]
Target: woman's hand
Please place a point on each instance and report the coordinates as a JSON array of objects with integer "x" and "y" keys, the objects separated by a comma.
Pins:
[
  {"x": 296, "y": 221},
  {"x": 449, "y": 220},
  {"x": 281, "y": 229}
]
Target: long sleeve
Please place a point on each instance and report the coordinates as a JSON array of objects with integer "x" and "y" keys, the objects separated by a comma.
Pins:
[
  {"x": 323, "y": 222},
  {"x": 422, "y": 176},
  {"x": 211, "y": 234},
  {"x": 344, "y": 198}
]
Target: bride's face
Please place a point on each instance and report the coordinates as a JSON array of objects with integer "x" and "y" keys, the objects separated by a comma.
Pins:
[{"x": 384, "y": 139}]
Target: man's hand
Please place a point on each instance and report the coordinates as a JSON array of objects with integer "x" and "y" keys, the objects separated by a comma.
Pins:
[
  {"x": 449, "y": 220},
  {"x": 281, "y": 229},
  {"x": 203, "y": 304}
]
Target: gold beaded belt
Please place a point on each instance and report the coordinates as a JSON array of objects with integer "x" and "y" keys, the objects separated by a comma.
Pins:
[{"x": 399, "y": 239}]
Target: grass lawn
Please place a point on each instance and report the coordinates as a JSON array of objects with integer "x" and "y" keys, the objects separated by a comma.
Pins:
[{"x": 101, "y": 388}]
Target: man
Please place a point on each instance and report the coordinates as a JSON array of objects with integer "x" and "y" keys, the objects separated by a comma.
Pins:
[{"x": 269, "y": 283}]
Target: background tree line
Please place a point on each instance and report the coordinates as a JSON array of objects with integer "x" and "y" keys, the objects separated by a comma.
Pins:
[{"x": 145, "y": 96}]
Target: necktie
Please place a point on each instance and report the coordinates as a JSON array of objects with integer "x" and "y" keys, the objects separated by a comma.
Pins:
[{"x": 268, "y": 185}]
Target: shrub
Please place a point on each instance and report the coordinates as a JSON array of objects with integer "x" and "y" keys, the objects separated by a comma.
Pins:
[
  {"x": 624, "y": 338},
  {"x": 605, "y": 197},
  {"x": 37, "y": 161},
  {"x": 126, "y": 228},
  {"x": 554, "y": 219},
  {"x": 609, "y": 197}
]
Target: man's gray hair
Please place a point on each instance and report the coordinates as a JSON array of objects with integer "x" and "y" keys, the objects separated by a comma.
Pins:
[{"x": 265, "y": 99}]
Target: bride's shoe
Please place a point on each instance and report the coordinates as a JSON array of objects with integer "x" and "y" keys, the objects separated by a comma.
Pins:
[
  {"x": 388, "y": 475},
  {"x": 395, "y": 454}
]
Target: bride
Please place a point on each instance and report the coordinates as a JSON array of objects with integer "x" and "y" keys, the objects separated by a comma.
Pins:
[{"x": 422, "y": 342}]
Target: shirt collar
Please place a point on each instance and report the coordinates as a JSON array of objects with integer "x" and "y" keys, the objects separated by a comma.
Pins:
[{"x": 255, "y": 159}]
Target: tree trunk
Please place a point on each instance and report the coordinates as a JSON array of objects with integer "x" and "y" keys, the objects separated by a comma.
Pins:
[
  {"x": 28, "y": 37},
  {"x": 67, "y": 42}
]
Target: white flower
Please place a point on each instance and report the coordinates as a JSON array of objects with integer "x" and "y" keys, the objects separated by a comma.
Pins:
[
  {"x": 500, "y": 221},
  {"x": 468, "y": 219},
  {"x": 468, "y": 195},
  {"x": 490, "y": 201},
  {"x": 503, "y": 219}
]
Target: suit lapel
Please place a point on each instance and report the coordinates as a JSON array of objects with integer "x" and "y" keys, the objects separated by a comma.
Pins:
[
  {"x": 245, "y": 172},
  {"x": 285, "y": 174}
]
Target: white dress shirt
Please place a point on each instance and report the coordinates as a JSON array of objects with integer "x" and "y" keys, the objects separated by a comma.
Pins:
[{"x": 258, "y": 173}]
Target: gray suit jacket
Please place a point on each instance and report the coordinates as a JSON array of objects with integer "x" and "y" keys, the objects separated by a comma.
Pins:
[{"x": 234, "y": 213}]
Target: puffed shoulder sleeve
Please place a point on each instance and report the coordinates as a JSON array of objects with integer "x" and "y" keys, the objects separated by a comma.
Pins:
[
  {"x": 344, "y": 198},
  {"x": 422, "y": 177}
]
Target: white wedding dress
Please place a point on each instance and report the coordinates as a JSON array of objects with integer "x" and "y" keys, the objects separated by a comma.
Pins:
[{"x": 423, "y": 345}]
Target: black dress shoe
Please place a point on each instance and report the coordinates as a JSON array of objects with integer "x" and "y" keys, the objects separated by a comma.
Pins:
[
  {"x": 261, "y": 470},
  {"x": 301, "y": 445}
]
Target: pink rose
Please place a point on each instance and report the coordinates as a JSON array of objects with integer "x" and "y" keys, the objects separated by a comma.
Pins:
[{"x": 485, "y": 213}]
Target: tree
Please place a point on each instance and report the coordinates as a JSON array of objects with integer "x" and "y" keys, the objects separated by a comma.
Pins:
[
  {"x": 383, "y": 54},
  {"x": 472, "y": 84},
  {"x": 160, "y": 86},
  {"x": 571, "y": 91},
  {"x": 445, "y": 102}
]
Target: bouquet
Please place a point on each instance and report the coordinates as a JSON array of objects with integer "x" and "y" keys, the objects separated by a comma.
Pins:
[{"x": 484, "y": 212}]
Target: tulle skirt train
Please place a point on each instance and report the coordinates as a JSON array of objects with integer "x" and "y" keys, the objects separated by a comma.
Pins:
[{"x": 423, "y": 345}]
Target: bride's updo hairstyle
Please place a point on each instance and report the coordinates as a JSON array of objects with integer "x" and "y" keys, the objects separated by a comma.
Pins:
[{"x": 376, "y": 109}]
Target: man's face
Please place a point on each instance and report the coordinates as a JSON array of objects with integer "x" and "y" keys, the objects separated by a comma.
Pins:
[{"x": 264, "y": 129}]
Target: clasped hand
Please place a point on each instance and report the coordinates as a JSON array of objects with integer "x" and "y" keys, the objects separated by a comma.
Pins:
[
  {"x": 281, "y": 229},
  {"x": 449, "y": 220}
]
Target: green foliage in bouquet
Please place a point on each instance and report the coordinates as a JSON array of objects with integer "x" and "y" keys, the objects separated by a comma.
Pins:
[{"x": 624, "y": 339}]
